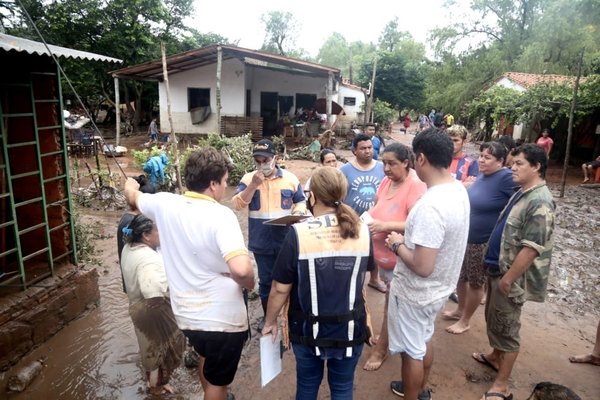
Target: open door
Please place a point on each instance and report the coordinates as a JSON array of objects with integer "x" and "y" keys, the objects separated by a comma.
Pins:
[{"x": 268, "y": 112}]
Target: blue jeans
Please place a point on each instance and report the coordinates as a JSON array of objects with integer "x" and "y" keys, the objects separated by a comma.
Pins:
[
  {"x": 309, "y": 374},
  {"x": 265, "y": 264}
]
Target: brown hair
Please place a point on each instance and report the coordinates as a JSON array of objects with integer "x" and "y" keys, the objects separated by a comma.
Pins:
[
  {"x": 204, "y": 166},
  {"x": 329, "y": 187}
]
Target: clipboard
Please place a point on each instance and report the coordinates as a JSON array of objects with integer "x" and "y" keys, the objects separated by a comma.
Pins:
[
  {"x": 270, "y": 358},
  {"x": 286, "y": 220}
]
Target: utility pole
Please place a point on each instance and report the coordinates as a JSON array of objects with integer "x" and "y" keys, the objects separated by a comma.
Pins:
[{"x": 563, "y": 179}]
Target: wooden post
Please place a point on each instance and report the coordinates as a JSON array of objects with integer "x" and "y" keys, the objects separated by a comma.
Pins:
[
  {"x": 369, "y": 110},
  {"x": 117, "y": 111},
  {"x": 563, "y": 179},
  {"x": 174, "y": 142},
  {"x": 219, "y": 66},
  {"x": 328, "y": 98}
]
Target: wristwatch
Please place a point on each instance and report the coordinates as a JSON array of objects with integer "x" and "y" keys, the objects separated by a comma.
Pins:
[{"x": 396, "y": 246}]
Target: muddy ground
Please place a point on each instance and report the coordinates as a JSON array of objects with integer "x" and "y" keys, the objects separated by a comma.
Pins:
[{"x": 95, "y": 357}]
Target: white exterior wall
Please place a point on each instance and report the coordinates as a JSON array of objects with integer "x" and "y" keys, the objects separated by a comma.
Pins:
[
  {"x": 267, "y": 80},
  {"x": 351, "y": 111},
  {"x": 235, "y": 79},
  {"x": 507, "y": 83},
  {"x": 233, "y": 98}
]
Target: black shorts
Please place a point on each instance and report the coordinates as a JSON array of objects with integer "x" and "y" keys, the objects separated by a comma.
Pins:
[
  {"x": 221, "y": 352},
  {"x": 594, "y": 164}
]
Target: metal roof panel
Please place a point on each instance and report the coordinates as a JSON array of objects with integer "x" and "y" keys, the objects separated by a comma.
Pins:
[{"x": 9, "y": 42}]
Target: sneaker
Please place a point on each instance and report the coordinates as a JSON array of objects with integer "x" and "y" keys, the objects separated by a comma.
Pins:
[{"x": 398, "y": 389}]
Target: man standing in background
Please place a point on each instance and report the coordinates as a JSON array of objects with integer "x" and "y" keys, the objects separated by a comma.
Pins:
[
  {"x": 364, "y": 174},
  {"x": 268, "y": 192}
]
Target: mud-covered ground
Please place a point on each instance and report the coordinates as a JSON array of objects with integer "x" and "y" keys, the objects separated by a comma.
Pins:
[{"x": 95, "y": 357}]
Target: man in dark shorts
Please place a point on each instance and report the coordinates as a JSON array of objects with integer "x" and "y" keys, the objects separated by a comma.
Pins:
[
  {"x": 589, "y": 168},
  {"x": 207, "y": 266}
]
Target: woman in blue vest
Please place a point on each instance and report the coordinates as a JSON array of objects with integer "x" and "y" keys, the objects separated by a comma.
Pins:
[{"x": 319, "y": 273}]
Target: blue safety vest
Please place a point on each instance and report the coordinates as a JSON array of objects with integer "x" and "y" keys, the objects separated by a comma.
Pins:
[{"x": 331, "y": 273}]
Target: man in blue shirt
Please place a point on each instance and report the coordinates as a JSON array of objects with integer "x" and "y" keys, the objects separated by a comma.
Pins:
[{"x": 364, "y": 174}]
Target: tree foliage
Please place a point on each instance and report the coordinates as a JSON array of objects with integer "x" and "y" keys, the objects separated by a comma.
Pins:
[
  {"x": 130, "y": 30},
  {"x": 281, "y": 30}
]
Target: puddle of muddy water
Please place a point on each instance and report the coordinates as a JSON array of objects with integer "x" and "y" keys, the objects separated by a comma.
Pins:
[{"x": 96, "y": 356}]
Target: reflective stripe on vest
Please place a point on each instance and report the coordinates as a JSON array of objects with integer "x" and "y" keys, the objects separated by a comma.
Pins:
[{"x": 320, "y": 238}]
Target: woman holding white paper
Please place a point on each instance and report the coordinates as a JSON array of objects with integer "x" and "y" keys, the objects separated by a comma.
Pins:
[
  {"x": 397, "y": 194},
  {"x": 320, "y": 273}
]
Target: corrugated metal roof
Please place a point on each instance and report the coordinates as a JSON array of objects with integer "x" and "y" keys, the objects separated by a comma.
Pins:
[
  {"x": 8, "y": 43},
  {"x": 191, "y": 59}
]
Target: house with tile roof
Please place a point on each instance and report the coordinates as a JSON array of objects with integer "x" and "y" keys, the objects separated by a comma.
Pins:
[
  {"x": 586, "y": 139},
  {"x": 521, "y": 82}
]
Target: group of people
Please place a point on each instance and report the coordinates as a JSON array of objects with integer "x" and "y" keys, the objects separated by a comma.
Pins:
[{"x": 424, "y": 223}]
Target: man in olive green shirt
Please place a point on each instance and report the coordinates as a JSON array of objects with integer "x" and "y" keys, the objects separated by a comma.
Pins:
[{"x": 518, "y": 263}]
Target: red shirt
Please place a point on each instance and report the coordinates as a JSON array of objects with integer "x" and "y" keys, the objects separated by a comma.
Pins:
[{"x": 545, "y": 143}]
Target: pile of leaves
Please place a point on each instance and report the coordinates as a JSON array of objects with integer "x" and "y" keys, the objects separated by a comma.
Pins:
[{"x": 238, "y": 149}]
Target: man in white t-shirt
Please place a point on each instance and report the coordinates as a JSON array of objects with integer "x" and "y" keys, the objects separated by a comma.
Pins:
[
  {"x": 207, "y": 266},
  {"x": 430, "y": 254}
]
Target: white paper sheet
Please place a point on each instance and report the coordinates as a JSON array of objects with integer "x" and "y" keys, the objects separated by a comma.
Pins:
[
  {"x": 366, "y": 218},
  {"x": 270, "y": 358}
]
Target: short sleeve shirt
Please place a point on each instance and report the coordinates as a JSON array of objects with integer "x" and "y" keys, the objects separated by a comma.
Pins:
[{"x": 439, "y": 220}]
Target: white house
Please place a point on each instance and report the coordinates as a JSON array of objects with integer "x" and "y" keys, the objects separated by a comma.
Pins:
[
  {"x": 521, "y": 82},
  {"x": 352, "y": 99},
  {"x": 234, "y": 90}
]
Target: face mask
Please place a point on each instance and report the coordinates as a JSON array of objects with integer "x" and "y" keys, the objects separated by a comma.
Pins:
[{"x": 266, "y": 168}]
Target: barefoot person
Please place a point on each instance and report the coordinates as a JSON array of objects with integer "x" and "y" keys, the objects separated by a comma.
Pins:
[
  {"x": 589, "y": 169},
  {"x": 207, "y": 266},
  {"x": 397, "y": 194},
  {"x": 517, "y": 263},
  {"x": 594, "y": 356},
  {"x": 161, "y": 342},
  {"x": 487, "y": 195},
  {"x": 429, "y": 257}
]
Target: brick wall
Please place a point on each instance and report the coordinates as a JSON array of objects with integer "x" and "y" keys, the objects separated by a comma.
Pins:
[{"x": 29, "y": 318}]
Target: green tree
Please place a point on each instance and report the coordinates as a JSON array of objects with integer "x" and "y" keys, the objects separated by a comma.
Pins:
[
  {"x": 127, "y": 29},
  {"x": 335, "y": 52},
  {"x": 281, "y": 29}
]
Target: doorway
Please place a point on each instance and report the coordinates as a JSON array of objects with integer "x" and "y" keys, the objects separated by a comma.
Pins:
[{"x": 268, "y": 112}]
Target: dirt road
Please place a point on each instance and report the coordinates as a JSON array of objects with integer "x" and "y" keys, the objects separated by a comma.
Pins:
[{"x": 96, "y": 357}]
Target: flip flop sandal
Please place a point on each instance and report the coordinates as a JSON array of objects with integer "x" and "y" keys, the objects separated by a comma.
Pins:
[
  {"x": 380, "y": 287},
  {"x": 480, "y": 358}
]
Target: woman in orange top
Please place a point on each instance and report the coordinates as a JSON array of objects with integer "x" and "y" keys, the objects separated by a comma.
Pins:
[{"x": 397, "y": 194}]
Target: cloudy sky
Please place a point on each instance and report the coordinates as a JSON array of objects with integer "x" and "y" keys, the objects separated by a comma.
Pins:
[{"x": 364, "y": 20}]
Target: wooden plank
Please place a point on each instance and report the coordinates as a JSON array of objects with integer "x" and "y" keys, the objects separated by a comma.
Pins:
[{"x": 237, "y": 126}]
